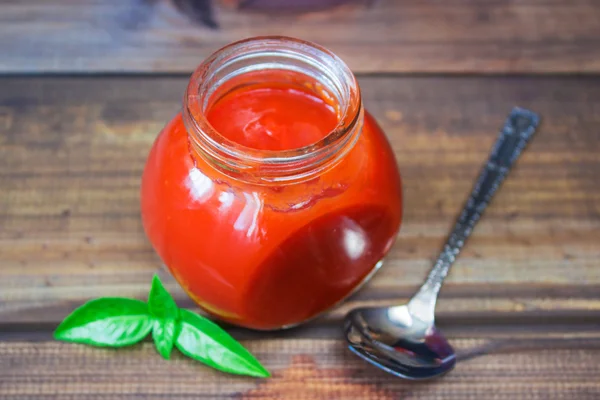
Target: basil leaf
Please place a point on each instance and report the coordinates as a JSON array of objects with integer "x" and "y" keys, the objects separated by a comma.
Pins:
[
  {"x": 206, "y": 342},
  {"x": 108, "y": 321},
  {"x": 164, "y": 333},
  {"x": 160, "y": 302}
]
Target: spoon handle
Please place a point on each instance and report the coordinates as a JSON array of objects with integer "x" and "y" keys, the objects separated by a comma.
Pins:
[{"x": 518, "y": 129}]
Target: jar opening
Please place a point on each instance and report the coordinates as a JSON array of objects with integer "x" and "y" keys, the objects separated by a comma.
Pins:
[
  {"x": 273, "y": 60},
  {"x": 273, "y": 110}
]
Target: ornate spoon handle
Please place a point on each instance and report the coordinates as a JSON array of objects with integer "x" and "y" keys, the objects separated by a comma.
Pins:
[{"x": 518, "y": 129}]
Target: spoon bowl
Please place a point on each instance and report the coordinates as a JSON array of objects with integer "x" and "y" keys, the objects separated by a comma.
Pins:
[{"x": 391, "y": 339}]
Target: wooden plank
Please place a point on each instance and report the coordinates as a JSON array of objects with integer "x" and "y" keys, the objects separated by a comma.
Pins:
[
  {"x": 450, "y": 36},
  {"x": 302, "y": 370},
  {"x": 72, "y": 151},
  {"x": 531, "y": 328}
]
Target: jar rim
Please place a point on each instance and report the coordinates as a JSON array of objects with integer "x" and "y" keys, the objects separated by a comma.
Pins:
[{"x": 278, "y": 164}]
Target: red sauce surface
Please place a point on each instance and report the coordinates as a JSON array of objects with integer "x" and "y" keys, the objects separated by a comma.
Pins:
[
  {"x": 277, "y": 117},
  {"x": 266, "y": 256}
]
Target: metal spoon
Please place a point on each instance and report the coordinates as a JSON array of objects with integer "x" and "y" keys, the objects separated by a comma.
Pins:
[{"x": 403, "y": 340}]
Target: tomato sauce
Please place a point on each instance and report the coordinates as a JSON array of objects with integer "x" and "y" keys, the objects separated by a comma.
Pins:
[
  {"x": 277, "y": 117},
  {"x": 272, "y": 255}
]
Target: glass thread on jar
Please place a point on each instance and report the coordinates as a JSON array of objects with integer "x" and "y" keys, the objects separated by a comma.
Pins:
[{"x": 273, "y": 58}]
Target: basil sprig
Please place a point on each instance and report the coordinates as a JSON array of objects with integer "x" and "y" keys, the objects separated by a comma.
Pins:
[{"x": 120, "y": 322}]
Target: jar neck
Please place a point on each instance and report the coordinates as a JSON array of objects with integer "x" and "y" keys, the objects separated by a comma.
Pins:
[{"x": 263, "y": 60}]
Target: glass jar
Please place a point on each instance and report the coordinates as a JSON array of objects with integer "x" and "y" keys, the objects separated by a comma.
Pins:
[{"x": 267, "y": 235}]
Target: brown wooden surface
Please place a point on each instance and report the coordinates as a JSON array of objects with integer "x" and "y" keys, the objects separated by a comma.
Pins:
[
  {"x": 74, "y": 149},
  {"x": 522, "y": 304},
  {"x": 304, "y": 369},
  {"x": 71, "y": 154},
  {"x": 492, "y": 36}
]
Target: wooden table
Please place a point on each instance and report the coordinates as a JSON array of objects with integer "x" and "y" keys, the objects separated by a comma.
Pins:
[{"x": 86, "y": 85}]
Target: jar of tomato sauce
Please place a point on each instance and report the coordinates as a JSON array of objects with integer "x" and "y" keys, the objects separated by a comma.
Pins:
[{"x": 273, "y": 195}]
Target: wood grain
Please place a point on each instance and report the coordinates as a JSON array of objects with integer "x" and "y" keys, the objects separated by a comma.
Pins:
[
  {"x": 302, "y": 370},
  {"x": 449, "y": 36},
  {"x": 72, "y": 151}
]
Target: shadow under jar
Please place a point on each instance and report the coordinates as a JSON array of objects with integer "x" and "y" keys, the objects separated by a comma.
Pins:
[{"x": 273, "y": 195}]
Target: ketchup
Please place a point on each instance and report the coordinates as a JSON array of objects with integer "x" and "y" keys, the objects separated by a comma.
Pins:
[
  {"x": 277, "y": 117},
  {"x": 270, "y": 255}
]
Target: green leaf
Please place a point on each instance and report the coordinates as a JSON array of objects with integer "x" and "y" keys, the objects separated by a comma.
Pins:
[
  {"x": 160, "y": 302},
  {"x": 206, "y": 342},
  {"x": 118, "y": 322},
  {"x": 107, "y": 321},
  {"x": 164, "y": 332}
]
